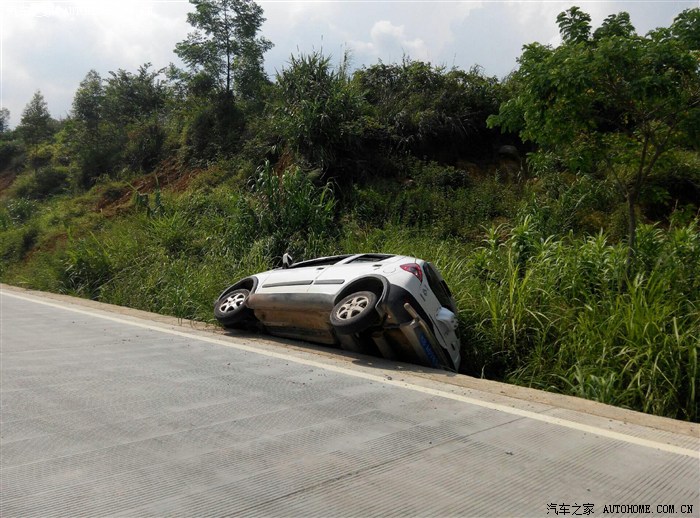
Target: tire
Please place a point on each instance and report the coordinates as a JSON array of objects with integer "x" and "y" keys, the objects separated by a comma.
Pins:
[
  {"x": 231, "y": 309},
  {"x": 355, "y": 313}
]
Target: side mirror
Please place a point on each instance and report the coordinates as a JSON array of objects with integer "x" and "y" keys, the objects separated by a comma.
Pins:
[{"x": 287, "y": 261}]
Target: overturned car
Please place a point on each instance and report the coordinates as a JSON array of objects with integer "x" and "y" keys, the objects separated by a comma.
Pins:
[{"x": 394, "y": 306}]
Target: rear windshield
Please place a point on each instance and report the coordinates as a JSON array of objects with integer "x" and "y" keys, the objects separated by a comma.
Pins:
[
  {"x": 439, "y": 286},
  {"x": 370, "y": 258}
]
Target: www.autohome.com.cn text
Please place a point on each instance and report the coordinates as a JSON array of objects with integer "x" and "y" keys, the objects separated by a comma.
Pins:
[{"x": 576, "y": 509}]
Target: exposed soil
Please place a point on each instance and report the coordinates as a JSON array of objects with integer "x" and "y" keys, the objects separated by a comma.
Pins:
[
  {"x": 7, "y": 178},
  {"x": 49, "y": 245},
  {"x": 169, "y": 174}
]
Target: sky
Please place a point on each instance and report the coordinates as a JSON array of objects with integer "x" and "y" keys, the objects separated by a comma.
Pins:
[{"x": 51, "y": 45}]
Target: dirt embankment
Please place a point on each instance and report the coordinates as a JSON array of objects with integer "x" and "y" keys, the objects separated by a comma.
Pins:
[
  {"x": 7, "y": 178},
  {"x": 169, "y": 174}
]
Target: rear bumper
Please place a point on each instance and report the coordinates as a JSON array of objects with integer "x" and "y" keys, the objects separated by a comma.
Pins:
[
  {"x": 424, "y": 342},
  {"x": 411, "y": 331}
]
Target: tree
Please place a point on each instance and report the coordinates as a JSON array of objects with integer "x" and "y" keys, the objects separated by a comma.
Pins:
[
  {"x": 134, "y": 109},
  {"x": 88, "y": 103},
  {"x": 574, "y": 25},
  {"x": 85, "y": 131},
  {"x": 129, "y": 97},
  {"x": 4, "y": 120},
  {"x": 117, "y": 122},
  {"x": 225, "y": 45},
  {"x": 612, "y": 104},
  {"x": 615, "y": 25},
  {"x": 35, "y": 126}
]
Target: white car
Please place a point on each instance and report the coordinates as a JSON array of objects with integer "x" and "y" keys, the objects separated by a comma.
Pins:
[{"x": 395, "y": 306}]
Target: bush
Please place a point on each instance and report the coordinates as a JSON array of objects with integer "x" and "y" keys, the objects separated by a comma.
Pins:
[
  {"x": 213, "y": 130},
  {"x": 319, "y": 111},
  {"x": 44, "y": 182},
  {"x": 20, "y": 210},
  {"x": 440, "y": 198},
  {"x": 15, "y": 243},
  {"x": 11, "y": 154},
  {"x": 144, "y": 148},
  {"x": 289, "y": 212}
]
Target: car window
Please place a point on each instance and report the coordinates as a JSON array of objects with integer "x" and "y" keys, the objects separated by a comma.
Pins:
[{"x": 321, "y": 261}]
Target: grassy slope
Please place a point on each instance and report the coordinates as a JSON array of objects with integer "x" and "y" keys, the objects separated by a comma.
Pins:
[{"x": 557, "y": 313}]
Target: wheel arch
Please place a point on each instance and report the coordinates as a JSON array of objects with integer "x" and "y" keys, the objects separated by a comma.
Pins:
[
  {"x": 377, "y": 284},
  {"x": 248, "y": 283}
]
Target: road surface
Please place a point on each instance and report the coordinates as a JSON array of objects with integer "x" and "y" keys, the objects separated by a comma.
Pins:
[{"x": 107, "y": 411}]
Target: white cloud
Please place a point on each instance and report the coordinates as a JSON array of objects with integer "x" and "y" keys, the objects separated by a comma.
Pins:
[
  {"x": 390, "y": 42},
  {"x": 50, "y": 46}
]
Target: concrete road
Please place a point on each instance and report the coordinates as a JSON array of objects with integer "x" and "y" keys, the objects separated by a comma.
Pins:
[{"x": 106, "y": 411}]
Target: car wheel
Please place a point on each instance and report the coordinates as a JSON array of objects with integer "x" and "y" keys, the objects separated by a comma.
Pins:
[
  {"x": 231, "y": 308},
  {"x": 355, "y": 313}
]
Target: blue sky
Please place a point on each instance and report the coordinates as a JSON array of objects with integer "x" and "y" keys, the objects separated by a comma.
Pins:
[{"x": 51, "y": 45}]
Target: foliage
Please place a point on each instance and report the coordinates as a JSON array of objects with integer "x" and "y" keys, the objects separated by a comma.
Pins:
[
  {"x": 612, "y": 103},
  {"x": 294, "y": 215},
  {"x": 85, "y": 133},
  {"x": 225, "y": 44},
  {"x": 431, "y": 111},
  {"x": 318, "y": 112},
  {"x": 4, "y": 120},
  {"x": 213, "y": 129},
  {"x": 443, "y": 198},
  {"x": 42, "y": 183},
  {"x": 129, "y": 97},
  {"x": 20, "y": 210},
  {"x": 35, "y": 125},
  {"x": 87, "y": 268},
  {"x": 116, "y": 123},
  {"x": 11, "y": 152},
  {"x": 15, "y": 243},
  {"x": 149, "y": 195},
  {"x": 88, "y": 103}
]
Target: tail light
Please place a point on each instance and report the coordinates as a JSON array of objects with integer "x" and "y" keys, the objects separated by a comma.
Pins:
[{"x": 413, "y": 268}]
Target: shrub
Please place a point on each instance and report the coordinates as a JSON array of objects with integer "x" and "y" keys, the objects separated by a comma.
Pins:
[
  {"x": 42, "y": 183},
  {"x": 319, "y": 111},
  {"x": 15, "y": 243},
  {"x": 289, "y": 212},
  {"x": 11, "y": 154},
  {"x": 19, "y": 210}
]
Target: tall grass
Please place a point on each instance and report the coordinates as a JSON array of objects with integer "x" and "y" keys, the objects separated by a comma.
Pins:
[{"x": 561, "y": 314}]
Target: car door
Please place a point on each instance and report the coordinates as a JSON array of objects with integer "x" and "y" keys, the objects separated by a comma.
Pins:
[
  {"x": 299, "y": 277},
  {"x": 289, "y": 280},
  {"x": 332, "y": 278}
]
